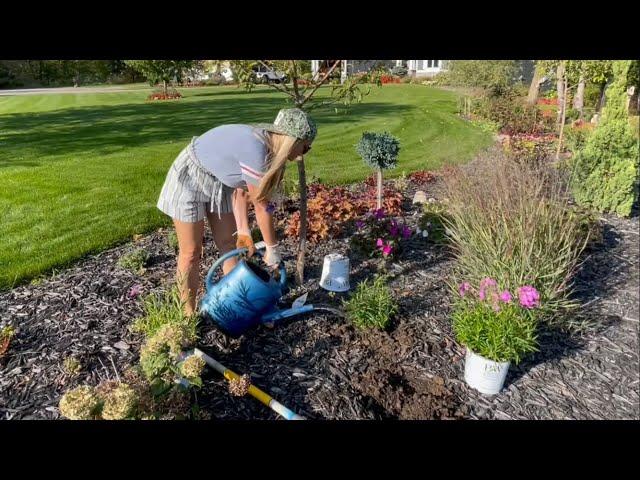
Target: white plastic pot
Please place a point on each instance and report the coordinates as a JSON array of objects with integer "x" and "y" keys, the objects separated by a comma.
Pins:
[
  {"x": 335, "y": 273},
  {"x": 483, "y": 374}
]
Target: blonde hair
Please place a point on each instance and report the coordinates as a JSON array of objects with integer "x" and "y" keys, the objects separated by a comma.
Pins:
[{"x": 279, "y": 147}]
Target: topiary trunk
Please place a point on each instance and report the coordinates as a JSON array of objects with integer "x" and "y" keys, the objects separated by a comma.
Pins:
[{"x": 379, "y": 188}]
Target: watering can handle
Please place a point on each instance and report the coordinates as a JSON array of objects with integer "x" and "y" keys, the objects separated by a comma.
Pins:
[{"x": 234, "y": 253}]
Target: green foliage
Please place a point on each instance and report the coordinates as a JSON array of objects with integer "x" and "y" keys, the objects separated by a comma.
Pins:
[
  {"x": 497, "y": 76},
  {"x": 72, "y": 366},
  {"x": 157, "y": 71},
  {"x": 162, "y": 309},
  {"x": 506, "y": 335},
  {"x": 512, "y": 115},
  {"x": 605, "y": 171},
  {"x": 512, "y": 222},
  {"x": 433, "y": 221},
  {"x": 172, "y": 240},
  {"x": 134, "y": 260},
  {"x": 379, "y": 150},
  {"x": 372, "y": 304}
]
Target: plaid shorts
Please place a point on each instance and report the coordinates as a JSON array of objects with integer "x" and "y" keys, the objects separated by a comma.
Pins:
[{"x": 190, "y": 191}]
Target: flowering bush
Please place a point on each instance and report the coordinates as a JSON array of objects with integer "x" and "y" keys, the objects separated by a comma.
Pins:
[
  {"x": 379, "y": 234},
  {"x": 171, "y": 94},
  {"x": 513, "y": 222},
  {"x": 384, "y": 79},
  {"x": 495, "y": 322}
]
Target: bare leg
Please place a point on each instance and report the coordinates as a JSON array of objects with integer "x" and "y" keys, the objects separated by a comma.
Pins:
[
  {"x": 188, "y": 272},
  {"x": 223, "y": 229}
]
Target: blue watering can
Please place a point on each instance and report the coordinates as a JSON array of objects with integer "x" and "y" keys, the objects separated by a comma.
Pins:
[{"x": 246, "y": 297}]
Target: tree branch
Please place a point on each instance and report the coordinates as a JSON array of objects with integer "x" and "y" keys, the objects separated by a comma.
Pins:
[
  {"x": 317, "y": 86},
  {"x": 277, "y": 86}
]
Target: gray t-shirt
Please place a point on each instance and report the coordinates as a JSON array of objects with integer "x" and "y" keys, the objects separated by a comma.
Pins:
[{"x": 235, "y": 154}]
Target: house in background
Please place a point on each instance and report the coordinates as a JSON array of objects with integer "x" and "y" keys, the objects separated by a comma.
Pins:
[{"x": 416, "y": 68}]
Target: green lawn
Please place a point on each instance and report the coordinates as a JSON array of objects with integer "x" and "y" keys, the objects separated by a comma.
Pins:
[{"x": 82, "y": 172}]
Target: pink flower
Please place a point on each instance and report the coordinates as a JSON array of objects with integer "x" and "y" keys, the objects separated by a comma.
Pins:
[
  {"x": 379, "y": 243},
  {"x": 464, "y": 288},
  {"x": 506, "y": 296},
  {"x": 528, "y": 296},
  {"x": 486, "y": 284},
  {"x": 387, "y": 249},
  {"x": 135, "y": 291},
  {"x": 379, "y": 213}
]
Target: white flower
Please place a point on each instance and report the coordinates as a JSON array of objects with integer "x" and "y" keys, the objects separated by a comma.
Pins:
[{"x": 425, "y": 234}]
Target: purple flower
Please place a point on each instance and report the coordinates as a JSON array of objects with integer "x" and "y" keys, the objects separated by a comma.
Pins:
[
  {"x": 379, "y": 213},
  {"x": 481, "y": 294},
  {"x": 393, "y": 229},
  {"x": 464, "y": 288},
  {"x": 271, "y": 207},
  {"x": 506, "y": 296},
  {"x": 359, "y": 224},
  {"x": 406, "y": 232},
  {"x": 135, "y": 291},
  {"x": 528, "y": 296}
]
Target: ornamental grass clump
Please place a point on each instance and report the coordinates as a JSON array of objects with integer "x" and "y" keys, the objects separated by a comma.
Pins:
[
  {"x": 495, "y": 322},
  {"x": 379, "y": 151},
  {"x": 162, "y": 309},
  {"x": 514, "y": 223},
  {"x": 372, "y": 304}
]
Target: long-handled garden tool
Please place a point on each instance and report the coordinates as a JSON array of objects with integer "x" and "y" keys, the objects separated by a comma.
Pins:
[{"x": 255, "y": 392}]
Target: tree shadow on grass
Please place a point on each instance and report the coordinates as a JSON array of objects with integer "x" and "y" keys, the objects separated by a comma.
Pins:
[{"x": 102, "y": 130}]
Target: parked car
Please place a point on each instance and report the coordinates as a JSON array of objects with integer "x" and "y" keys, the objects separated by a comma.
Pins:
[{"x": 267, "y": 75}]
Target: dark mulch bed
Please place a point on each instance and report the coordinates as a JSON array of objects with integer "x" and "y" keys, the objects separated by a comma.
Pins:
[{"x": 318, "y": 364}]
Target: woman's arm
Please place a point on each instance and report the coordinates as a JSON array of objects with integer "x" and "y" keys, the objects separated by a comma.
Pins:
[{"x": 264, "y": 218}]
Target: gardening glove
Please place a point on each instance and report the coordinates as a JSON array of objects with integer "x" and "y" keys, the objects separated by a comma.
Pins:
[
  {"x": 272, "y": 256},
  {"x": 245, "y": 241}
]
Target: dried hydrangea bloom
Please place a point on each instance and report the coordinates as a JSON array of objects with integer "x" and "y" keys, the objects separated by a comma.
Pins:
[
  {"x": 80, "y": 403},
  {"x": 119, "y": 403},
  {"x": 239, "y": 387},
  {"x": 192, "y": 367}
]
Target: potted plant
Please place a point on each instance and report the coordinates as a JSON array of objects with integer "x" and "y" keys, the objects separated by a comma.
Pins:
[
  {"x": 379, "y": 151},
  {"x": 497, "y": 327}
]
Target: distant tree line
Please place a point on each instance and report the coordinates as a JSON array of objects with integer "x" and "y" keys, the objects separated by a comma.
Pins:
[{"x": 59, "y": 73}]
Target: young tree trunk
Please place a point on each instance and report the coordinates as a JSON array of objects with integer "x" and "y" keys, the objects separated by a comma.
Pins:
[
  {"x": 603, "y": 87},
  {"x": 534, "y": 88},
  {"x": 379, "y": 189},
  {"x": 562, "y": 120},
  {"x": 578, "y": 100},
  {"x": 164, "y": 87},
  {"x": 302, "y": 241},
  {"x": 560, "y": 72}
]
